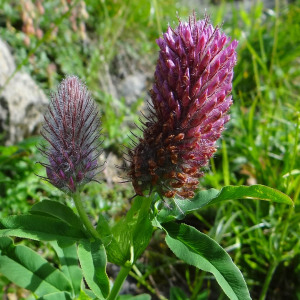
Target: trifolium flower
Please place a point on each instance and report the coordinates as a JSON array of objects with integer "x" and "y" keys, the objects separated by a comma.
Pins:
[
  {"x": 190, "y": 99},
  {"x": 71, "y": 131}
]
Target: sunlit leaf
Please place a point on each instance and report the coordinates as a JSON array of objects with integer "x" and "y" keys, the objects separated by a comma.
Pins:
[
  {"x": 56, "y": 296},
  {"x": 41, "y": 228},
  {"x": 29, "y": 270},
  {"x": 213, "y": 196},
  {"x": 199, "y": 250},
  {"x": 128, "y": 239},
  {"x": 138, "y": 297},
  {"x": 92, "y": 257},
  {"x": 59, "y": 211},
  {"x": 69, "y": 264}
]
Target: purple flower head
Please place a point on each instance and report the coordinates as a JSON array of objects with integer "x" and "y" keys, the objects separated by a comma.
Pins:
[
  {"x": 71, "y": 130},
  {"x": 190, "y": 100}
]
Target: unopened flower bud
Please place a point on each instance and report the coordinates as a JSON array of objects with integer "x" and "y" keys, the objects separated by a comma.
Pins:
[{"x": 71, "y": 130}]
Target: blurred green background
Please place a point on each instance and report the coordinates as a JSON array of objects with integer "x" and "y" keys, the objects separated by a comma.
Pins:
[{"x": 111, "y": 46}]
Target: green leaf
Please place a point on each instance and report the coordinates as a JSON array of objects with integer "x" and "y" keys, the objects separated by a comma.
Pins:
[
  {"x": 184, "y": 207},
  {"x": 127, "y": 240},
  {"x": 59, "y": 211},
  {"x": 57, "y": 296},
  {"x": 69, "y": 265},
  {"x": 41, "y": 228},
  {"x": 135, "y": 230},
  {"x": 27, "y": 269},
  {"x": 104, "y": 231},
  {"x": 5, "y": 242},
  {"x": 257, "y": 191},
  {"x": 130, "y": 297},
  {"x": 86, "y": 295},
  {"x": 115, "y": 253},
  {"x": 92, "y": 257},
  {"x": 199, "y": 250},
  {"x": 213, "y": 196}
]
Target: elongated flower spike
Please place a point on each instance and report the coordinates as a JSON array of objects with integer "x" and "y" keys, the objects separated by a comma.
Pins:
[
  {"x": 190, "y": 99},
  {"x": 71, "y": 131}
]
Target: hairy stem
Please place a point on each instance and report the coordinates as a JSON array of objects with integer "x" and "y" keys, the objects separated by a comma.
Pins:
[
  {"x": 119, "y": 282},
  {"x": 83, "y": 216}
]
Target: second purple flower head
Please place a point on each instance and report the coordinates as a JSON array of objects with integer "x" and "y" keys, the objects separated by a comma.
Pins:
[
  {"x": 190, "y": 100},
  {"x": 72, "y": 131}
]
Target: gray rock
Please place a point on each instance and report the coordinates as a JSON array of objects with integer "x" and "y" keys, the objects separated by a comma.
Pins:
[
  {"x": 7, "y": 64},
  {"x": 22, "y": 102},
  {"x": 132, "y": 87}
]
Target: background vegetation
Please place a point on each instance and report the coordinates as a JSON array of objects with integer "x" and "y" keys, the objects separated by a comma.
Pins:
[{"x": 104, "y": 41}]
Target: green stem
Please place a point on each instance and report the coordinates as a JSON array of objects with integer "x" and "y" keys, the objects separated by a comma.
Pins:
[
  {"x": 84, "y": 217},
  {"x": 119, "y": 282},
  {"x": 268, "y": 280}
]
